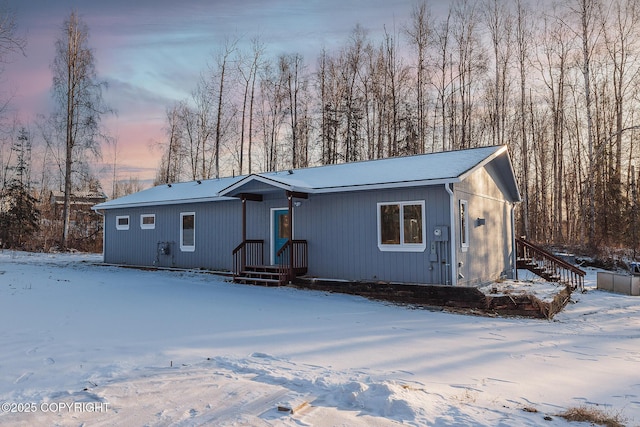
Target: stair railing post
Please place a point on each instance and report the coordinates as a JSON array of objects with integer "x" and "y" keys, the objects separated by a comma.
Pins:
[
  {"x": 243, "y": 255},
  {"x": 290, "y": 242}
]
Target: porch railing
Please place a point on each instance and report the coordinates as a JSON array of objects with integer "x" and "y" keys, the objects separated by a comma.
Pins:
[
  {"x": 293, "y": 259},
  {"x": 249, "y": 252},
  {"x": 547, "y": 265}
]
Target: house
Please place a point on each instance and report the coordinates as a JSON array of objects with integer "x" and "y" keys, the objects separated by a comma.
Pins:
[
  {"x": 79, "y": 200},
  {"x": 443, "y": 218},
  {"x": 85, "y": 224}
]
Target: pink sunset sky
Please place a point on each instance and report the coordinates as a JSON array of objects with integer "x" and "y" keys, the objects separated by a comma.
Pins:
[{"x": 152, "y": 52}]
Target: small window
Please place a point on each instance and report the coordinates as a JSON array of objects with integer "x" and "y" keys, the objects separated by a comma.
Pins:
[
  {"x": 122, "y": 222},
  {"x": 188, "y": 231},
  {"x": 464, "y": 224},
  {"x": 148, "y": 221},
  {"x": 284, "y": 226},
  {"x": 401, "y": 226}
]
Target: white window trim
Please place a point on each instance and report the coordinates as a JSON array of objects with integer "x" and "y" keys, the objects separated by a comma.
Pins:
[
  {"x": 190, "y": 248},
  {"x": 122, "y": 227},
  {"x": 147, "y": 226},
  {"x": 402, "y": 247},
  {"x": 464, "y": 229}
]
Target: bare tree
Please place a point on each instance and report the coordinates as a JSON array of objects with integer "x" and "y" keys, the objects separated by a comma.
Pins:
[
  {"x": 171, "y": 164},
  {"x": 443, "y": 84},
  {"x": 220, "y": 74},
  {"x": 523, "y": 35},
  {"x": 622, "y": 42},
  {"x": 419, "y": 33},
  {"x": 294, "y": 82},
  {"x": 500, "y": 24},
  {"x": 78, "y": 94},
  {"x": 471, "y": 64},
  {"x": 557, "y": 45},
  {"x": 10, "y": 41},
  {"x": 249, "y": 68},
  {"x": 272, "y": 114}
]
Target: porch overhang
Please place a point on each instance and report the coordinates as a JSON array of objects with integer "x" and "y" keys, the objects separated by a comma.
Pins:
[{"x": 255, "y": 187}]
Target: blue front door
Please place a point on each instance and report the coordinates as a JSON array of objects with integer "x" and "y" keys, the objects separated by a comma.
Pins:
[{"x": 281, "y": 231}]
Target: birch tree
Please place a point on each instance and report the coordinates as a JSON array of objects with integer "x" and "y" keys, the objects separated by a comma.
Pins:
[{"x": 79, "y": 104}]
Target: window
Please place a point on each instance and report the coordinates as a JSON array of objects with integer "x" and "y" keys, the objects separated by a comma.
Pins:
[
  {"x": 122, "y": 222},
  {"x": 464, "y": 224},
  {"x": 284, "y": 227},
  {"x": 401, "y": 227},
  {"x": 188, "y": 231},
  {"x": 148, "y": 221}
]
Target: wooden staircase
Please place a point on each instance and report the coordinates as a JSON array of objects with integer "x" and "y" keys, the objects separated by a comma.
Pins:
[
  {"x": 548, "y": 266},
  {"x": 249, "y": 267},
  {"x": 265, "y": 275}
]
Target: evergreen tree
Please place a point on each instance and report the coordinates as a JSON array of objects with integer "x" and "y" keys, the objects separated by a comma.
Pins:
[{"x": 19, "y": 216}]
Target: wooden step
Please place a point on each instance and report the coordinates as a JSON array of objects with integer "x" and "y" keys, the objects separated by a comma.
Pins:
[
  {"x": 262, "y": 268},
  {"x": 260, "y": 274},
  {"x": 257, "y": 281}
]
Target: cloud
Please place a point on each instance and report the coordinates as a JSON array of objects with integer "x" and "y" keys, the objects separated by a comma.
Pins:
[{"x": 152, "y": 52}]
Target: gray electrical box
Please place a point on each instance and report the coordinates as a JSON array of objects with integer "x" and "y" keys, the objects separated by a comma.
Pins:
[
  {"x": 164, "y": 248},
  {"x": 441, "y": 233},
  {"x": 433, "y": 255}
]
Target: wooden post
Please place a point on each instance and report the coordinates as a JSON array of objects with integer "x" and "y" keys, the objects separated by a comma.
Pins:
[
  {"x": 290, "y": 199},
  {"x": 243, "y": 256}
]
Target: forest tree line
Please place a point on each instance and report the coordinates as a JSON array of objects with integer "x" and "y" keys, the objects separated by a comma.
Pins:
[{"x": 556, "y": 82}]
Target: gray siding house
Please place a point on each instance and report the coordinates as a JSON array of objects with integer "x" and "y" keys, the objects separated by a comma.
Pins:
[{"x": 443, "y": 218}]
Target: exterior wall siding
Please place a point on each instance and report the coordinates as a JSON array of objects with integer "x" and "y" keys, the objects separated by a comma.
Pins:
[
  {"x": 217, "y": 232},
  {"x": 488, "y": 256},
  {"x": 342, "y": 234}
]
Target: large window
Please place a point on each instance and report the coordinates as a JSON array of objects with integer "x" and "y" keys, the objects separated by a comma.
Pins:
[
  {"x": 148, "y": 221},
  {"x": 188, "y": 231},
  {"x": 464, "y": 224},
  {"x": 401, "y": 226},
  {"x": 122, "y": 222}
]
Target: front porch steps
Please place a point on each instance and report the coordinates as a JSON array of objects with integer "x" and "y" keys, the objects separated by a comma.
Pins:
[{"x": 262, "y": 275}]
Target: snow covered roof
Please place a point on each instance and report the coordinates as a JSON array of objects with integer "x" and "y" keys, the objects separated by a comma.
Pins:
[
  {"x": 168, "y": 194},
  {"x": 424, "y": 169}
]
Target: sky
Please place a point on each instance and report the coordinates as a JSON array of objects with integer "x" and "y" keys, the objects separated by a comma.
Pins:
[{"x": 152, "y": 53}]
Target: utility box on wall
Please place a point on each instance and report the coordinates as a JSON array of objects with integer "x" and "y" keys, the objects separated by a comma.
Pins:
[
  {"x": 164, "y": 248},
  {"x": 441, "y": 233},
  {"x": 619, "y": 283}
]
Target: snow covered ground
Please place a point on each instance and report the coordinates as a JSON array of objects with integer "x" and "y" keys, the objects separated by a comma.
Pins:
[{"x": 84, "y": 344}]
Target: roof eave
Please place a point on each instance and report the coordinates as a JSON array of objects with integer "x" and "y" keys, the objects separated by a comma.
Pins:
[
  {"x": 387, "y": 185},
  {"x": 161, "y": 203}
]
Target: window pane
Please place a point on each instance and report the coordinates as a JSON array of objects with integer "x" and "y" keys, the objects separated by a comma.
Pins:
[
  {"x": 284, "y": 226},
  {"x": 463, "y": 223},
  {"x": 390, "y": 224},
  {"x": 148, "y": 220},
  {"x": 188, "y": 229},
  {"x": 412, "y": 223},
  {"x": 123, "y": 220}
]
